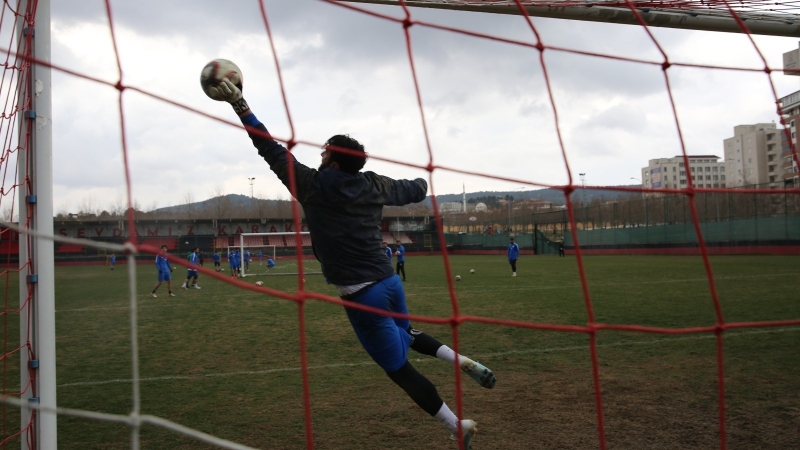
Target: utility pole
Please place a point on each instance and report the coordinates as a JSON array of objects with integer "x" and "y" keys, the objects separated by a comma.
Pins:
[{"x": 251, "y": 185}]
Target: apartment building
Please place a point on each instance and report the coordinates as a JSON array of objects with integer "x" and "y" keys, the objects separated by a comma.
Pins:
[
  {"x": 753, "y": 156},
  {"x": 787, "y": 166},
  {"x": 706, "y": 171}
]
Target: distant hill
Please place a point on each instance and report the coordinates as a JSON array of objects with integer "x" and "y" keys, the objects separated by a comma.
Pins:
[
  {"x": 238, "y": 202},
  {"x": 233, "y": 201},
  {"x": 554, "y": 196}
]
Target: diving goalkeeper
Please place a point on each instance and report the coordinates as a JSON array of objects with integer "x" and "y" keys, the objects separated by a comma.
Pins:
[{"x": 343, "y": 208}]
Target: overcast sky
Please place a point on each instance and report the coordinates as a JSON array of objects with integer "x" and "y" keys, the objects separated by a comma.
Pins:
[{"x": 486, "y": 107}]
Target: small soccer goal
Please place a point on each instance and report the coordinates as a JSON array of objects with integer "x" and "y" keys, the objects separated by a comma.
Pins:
[{"x": 257, "y": 249}]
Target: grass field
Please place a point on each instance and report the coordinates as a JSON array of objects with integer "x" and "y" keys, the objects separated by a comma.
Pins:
[{"x": 226, "y": 361}]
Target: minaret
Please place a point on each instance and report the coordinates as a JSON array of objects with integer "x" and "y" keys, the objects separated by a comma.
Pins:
[{"x": 464, "y": 198}]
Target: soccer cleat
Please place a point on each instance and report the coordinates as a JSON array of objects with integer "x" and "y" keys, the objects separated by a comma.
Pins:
[
  {"x": 468, "y": 428},
  {"x": 171, "y": 294},
  {"x": 514, "y": 275},
  {"x": 184, "y": 286},
  {"x": 478, "y": 372},
  {"x": 153, "y": 294},
  {"x": 196, "y": 286}
]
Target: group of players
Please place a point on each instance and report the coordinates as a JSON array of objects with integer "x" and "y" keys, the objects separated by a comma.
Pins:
[{"x": 234, "y": 261}]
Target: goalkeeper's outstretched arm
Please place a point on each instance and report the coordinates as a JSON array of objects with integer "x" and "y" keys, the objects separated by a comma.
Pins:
[{"x": 273, "y": 153}]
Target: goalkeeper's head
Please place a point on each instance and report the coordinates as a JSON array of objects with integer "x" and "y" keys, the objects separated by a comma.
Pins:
[{"x": 346, "y": 162}]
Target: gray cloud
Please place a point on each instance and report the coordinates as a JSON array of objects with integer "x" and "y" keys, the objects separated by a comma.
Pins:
[{"x": 485, "y": 102}]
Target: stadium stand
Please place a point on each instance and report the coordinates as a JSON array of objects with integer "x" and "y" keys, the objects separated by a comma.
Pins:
[
  {"x": 70, "y": 248},
  {"x": 390, "y": 238},
  {"x": 170, "y": 242},
  {"x": 306, "y": 240},
  {"x": 252, "y": 241},
  {"x": 277, "y": 241},
  {"x": 9, "y": 247},
  {"x": 222, "y": 242}
]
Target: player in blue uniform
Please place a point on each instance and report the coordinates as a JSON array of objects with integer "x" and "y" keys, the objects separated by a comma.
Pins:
[
  {"x": 343, "y": 209},
  {"x": 260, "y": 257},
  {"x": 164, "y": 272},
  {"x": 388, "y": 250},
  {"x": 191, "y": 271},
  {"x": 216, "y": 259},
  {"x": 513, "y": 255},
  {"x": 270, "y": 263},
  {"x": 232, "y": 263},
  {"x": 238, "y": 257},
  {"x": 401, "y": 259},
  {"x": 246, "y": 259},
  {"x": 112, "y": 261}
]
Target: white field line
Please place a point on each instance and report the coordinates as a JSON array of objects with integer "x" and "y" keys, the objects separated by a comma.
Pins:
[
  {"x": 412, "y": 290},
  {"x": 597, "y": 284},
  {"x": 727, "y": 334}
]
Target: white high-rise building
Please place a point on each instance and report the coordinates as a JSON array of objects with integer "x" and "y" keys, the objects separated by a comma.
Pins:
[
  {"x": 785, "y": 168},
  {"x": 753, "y": 156},
  {"x": 671, "y": 173}
]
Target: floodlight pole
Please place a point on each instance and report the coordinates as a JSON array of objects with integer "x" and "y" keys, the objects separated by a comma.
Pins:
[
  {"x": 251, "y": 185},
  {"x": 583, "y": 187}
]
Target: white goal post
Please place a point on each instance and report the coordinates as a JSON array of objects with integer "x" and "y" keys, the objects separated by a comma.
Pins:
[
  {"x": 268, "y": 244},
  {"x": 762, "y": 18}
]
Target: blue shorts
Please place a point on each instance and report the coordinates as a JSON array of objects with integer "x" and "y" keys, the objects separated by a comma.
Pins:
[
  {"x": 164, "y": 276},
  {"x": 384, "y": 338},
  {"x": 191, "y": 273}
]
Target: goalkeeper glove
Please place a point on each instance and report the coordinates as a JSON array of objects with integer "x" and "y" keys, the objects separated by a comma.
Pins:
[{"x": 230, "y": 93}]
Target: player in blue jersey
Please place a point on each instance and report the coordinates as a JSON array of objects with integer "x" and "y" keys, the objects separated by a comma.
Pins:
[
  {"x": 191, "y": 271},
  {"x": 237, "y": 258},
  {"x": 387, "y": 250},
  {"x": 246, "y": 259},
  {"x": 260, "y": 257},
  {"x": 232, "y": 263},
  {"x": 513, "y": 255},
  {"x": 401, "y": 259},
  {"x": 270, "y": 263},
  {"x": 164, "y": 272},
  {"x": 112, "y": 261},
  {"x": 343, "y": 208},
  {"x": 217, "y": 260}
]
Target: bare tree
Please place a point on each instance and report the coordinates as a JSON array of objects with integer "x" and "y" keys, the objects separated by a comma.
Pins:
[
  {"x": 8, "y": 214},
  {"x": 87, "y": 206},
  {"x": 190, "y": 208},
  {"x": 261, "y": 206},
  {"x": 118, "y": 206},
  {"x": 220, "y": 204}
]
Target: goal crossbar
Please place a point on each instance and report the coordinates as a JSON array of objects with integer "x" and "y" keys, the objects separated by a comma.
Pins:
[{"x": 770, "y": 23}]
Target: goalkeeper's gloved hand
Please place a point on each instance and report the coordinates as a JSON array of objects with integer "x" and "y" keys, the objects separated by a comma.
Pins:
[{"x": 232, "y": 94}]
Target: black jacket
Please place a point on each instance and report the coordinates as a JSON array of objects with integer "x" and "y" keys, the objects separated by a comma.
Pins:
[{"x": 343, "y": 211}]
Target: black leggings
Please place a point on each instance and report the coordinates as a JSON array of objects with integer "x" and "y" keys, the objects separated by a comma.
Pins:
[
  {"x": 419, "y": 388},
  {"x": 513, "y": 265},
  {"x": 401, "y": 267}
]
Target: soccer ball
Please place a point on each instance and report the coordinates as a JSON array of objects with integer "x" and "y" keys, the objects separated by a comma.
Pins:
[
  {"x": 397, "y": 253},
  {"x": 187, "y": 242},
  {"x": 472, "y": 271},
  {"x": 259, "y": 283},
  {"x": 215, "y": 71},
  {"x": 458, "y": 277}
]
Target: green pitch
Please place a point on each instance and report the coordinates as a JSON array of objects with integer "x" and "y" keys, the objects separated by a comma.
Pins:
[{"x": 226, "y": 361}]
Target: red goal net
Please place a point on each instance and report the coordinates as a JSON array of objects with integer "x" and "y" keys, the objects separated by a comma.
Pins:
[{"x": 564, "y": 101}]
